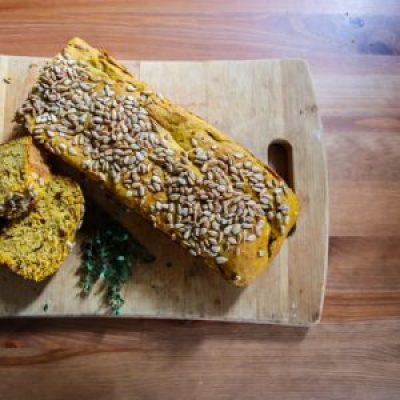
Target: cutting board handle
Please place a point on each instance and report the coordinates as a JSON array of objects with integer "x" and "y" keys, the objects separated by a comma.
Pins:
[{"x": 280, "y": 158}]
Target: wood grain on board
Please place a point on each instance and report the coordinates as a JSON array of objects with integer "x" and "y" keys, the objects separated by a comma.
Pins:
[
  {"x": 352, "y": 47},
  {"x": 258, "y": 103}
]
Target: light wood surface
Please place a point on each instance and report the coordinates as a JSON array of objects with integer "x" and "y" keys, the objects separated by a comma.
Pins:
[
  {"x": 352, "y": 47},
  {"x": 258, "y": 103}
]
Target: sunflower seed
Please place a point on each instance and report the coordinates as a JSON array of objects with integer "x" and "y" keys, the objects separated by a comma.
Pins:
[
  {"x": 251, "y": 238},
  {"x": 72, "y": 151}
]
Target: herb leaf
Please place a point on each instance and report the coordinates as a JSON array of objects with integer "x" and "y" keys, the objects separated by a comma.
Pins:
[{"x": 110, "y": 253}]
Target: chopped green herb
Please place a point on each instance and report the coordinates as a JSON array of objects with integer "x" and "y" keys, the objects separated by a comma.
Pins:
[
  {"x": 110, "y": 253},
  {"x": 45, "y": 307}
]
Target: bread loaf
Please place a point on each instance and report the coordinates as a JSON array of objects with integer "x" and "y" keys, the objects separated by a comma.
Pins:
[
  {"x": 22, "y": 177},
  {"x": 193, "y": 182},
  {"x": 35, "y": 245}
]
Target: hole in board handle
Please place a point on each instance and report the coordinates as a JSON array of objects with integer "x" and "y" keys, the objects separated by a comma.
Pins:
[{"x": 280, "y": 158}]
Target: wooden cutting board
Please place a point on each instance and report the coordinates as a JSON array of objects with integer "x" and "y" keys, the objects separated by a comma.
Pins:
[{"x": 256, "y": 102}]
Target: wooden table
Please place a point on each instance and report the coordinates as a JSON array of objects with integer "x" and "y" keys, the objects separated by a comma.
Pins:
[{"x": 353, "y": 48}]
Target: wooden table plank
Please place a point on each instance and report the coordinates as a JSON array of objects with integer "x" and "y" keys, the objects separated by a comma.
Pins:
[
  {"x": 184, "y": 7},
  {"x": 171, "y": 31},
  {"x": 144, "y": 360},
  {"x": 352, "y": 47}
]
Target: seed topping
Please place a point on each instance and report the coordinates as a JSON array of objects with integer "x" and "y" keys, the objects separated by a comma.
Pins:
[{"x": 209, "y": 199}]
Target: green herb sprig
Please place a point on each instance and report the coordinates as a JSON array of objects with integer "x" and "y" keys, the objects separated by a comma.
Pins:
[{"x": 110, "y": 253}]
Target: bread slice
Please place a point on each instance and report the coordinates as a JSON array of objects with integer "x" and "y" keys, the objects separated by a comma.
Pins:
[
  {"x": 23, "y": 174},
  {"x": 193, "y": 182},
  {"x": 35, "y": 245}
]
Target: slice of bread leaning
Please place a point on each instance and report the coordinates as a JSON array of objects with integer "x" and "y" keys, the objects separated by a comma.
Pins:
[
  {"x": 35, "y": 245},
  {"x": 23, "y": 175}
]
